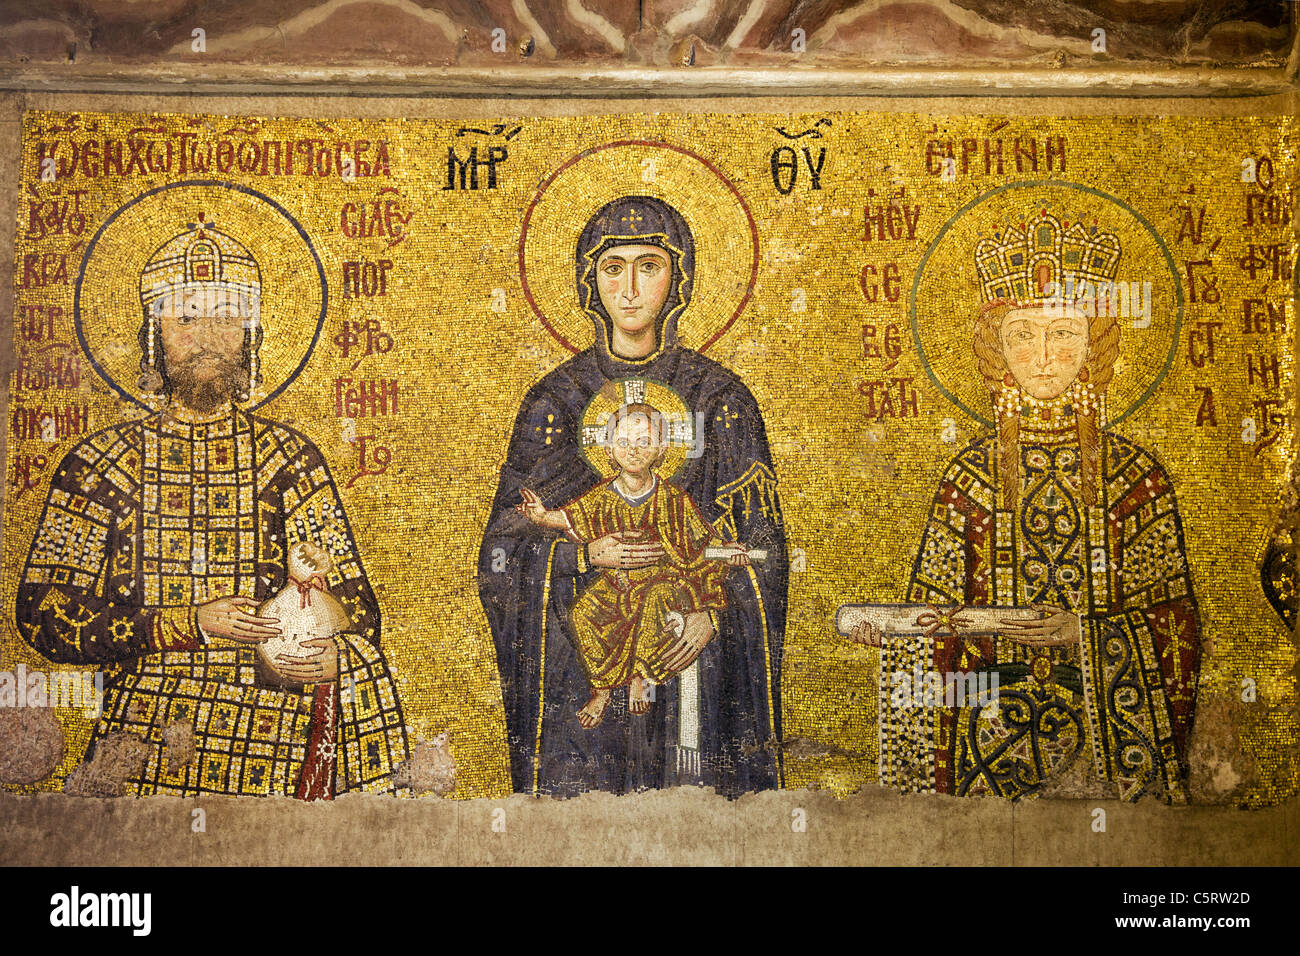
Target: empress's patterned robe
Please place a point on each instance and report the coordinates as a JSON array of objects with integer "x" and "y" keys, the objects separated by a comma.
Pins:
[
  {"x": 1121, "y": 702},
  {"x": 145, "y": 521}
]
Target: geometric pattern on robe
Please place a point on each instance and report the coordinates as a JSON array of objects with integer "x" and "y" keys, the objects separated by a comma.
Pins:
[
  {"x": 1123, "y": 699},
  {"x": 147, "y": 519},
  {"x": 529, "y": 580},
  {"x": 619, "y": 618}
]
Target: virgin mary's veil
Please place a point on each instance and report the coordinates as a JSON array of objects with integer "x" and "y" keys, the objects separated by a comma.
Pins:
[{"x": 645, "y": 221}]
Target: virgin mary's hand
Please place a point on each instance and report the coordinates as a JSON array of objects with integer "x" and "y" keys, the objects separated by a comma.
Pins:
[
  {"x": 1056, "y": 627},
  {"x": 864, "y": 632},
  {"x": 695, "y": 636},
  {"x": 625, "y": 550}
]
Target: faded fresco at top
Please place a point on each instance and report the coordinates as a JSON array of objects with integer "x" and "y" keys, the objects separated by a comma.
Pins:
[{"x": 947, "y": 454}]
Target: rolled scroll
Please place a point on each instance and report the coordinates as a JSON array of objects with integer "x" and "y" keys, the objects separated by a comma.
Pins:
[
  {"x": 912, "y": 620},
  {"x": 724, "y": 552}
]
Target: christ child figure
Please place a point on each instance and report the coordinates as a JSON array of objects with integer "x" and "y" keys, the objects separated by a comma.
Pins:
[{"x": 627, "y": 622}]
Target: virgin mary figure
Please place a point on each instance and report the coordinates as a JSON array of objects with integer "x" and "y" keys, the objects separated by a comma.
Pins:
[
  {"x": 1055, "y": 512},
  {"x": 717, "y": 722}
]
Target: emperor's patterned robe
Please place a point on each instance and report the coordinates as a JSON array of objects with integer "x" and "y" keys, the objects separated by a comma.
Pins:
[
  {"x": 145, "y": 521},
  {"x": 1120, "y": 704}
]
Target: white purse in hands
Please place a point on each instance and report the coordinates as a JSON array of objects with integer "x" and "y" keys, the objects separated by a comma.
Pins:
[{"x": 305, "y": 609}]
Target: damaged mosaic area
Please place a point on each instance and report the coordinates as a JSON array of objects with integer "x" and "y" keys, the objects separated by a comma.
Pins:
[{"x": 946, "y": 453}]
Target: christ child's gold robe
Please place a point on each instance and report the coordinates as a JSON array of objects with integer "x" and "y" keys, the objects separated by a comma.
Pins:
[{"x": 620, "y": 619}]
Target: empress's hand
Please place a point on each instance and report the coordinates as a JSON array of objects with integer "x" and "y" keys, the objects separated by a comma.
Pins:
[
  {"x": 233, "y": 617},
  {"x": 864, "y": 632},
  {"x": 695, "y": 636},
  {"x": 319, "y": 668},
  {"x": 1055, "y": 628},
  {"x": 626, "y": 550}
]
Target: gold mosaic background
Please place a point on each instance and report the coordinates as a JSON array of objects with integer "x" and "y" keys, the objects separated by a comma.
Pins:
[{"x": 855, "y": 489}]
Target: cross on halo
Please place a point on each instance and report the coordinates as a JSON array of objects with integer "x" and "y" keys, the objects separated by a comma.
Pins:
[{"x": 201, "y": 224}]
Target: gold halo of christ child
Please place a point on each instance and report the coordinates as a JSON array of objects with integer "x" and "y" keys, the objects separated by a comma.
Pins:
[
  {"x": 628, "y": 621},
  {"x": 162, "y": 537}
]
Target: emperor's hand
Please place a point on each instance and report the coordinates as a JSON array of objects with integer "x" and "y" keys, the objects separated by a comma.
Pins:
[
  {"x": 319, "y": 668},
  {"x": 234, "y": 617}
]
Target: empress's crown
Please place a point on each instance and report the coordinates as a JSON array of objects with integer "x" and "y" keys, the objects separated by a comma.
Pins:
[
  {"x": 199, "y": 256},
  {"x": 1042, "y": 258}
]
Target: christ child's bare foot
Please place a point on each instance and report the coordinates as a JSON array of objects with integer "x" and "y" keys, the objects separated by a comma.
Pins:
[
  {"x": 594, "y": 711},
  {"x": 638, "y": 695}
]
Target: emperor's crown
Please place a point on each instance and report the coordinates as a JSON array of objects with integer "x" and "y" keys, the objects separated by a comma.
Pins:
[
  {"x": 1042, "y": 258},
  {"x": 200, "y": 256}
]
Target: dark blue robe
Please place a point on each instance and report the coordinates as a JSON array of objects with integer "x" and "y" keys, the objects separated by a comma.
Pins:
[{"x": 522, "y": 566}]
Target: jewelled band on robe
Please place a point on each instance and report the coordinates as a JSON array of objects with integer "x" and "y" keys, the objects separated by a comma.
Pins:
[{"x": 541, "y": 671}]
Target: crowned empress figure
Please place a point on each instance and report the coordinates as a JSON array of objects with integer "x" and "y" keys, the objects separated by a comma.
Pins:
[
  {"x": 1053, "y": 511},
  {"x": 160, "y": 538}
]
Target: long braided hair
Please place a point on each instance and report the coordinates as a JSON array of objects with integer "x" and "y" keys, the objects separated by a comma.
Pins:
[{"x": 1103, "y": 350}]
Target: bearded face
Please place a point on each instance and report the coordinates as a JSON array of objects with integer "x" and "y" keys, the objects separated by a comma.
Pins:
[
  {"x": 203, "y": 335},
  {"x": 206, "y": 381}
]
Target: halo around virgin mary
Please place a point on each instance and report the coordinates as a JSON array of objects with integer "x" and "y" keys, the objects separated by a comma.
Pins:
[{"x": 718, "y": 722}]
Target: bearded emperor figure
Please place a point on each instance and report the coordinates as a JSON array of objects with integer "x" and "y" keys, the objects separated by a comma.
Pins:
[{"x": 161, "y": 537}]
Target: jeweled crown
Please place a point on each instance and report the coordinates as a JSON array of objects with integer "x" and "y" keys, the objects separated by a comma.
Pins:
[
  {"x": 1043, "y": 257},
  {"x": 200, "y": 257}
]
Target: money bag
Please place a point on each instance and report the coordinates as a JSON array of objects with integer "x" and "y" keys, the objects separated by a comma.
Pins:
[{"x": 305, "y": 608}]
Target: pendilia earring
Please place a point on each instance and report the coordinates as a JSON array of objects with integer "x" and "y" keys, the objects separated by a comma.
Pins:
[
  {"x": 252, "y": 375},
  {"x": 150, "y": 378}
]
